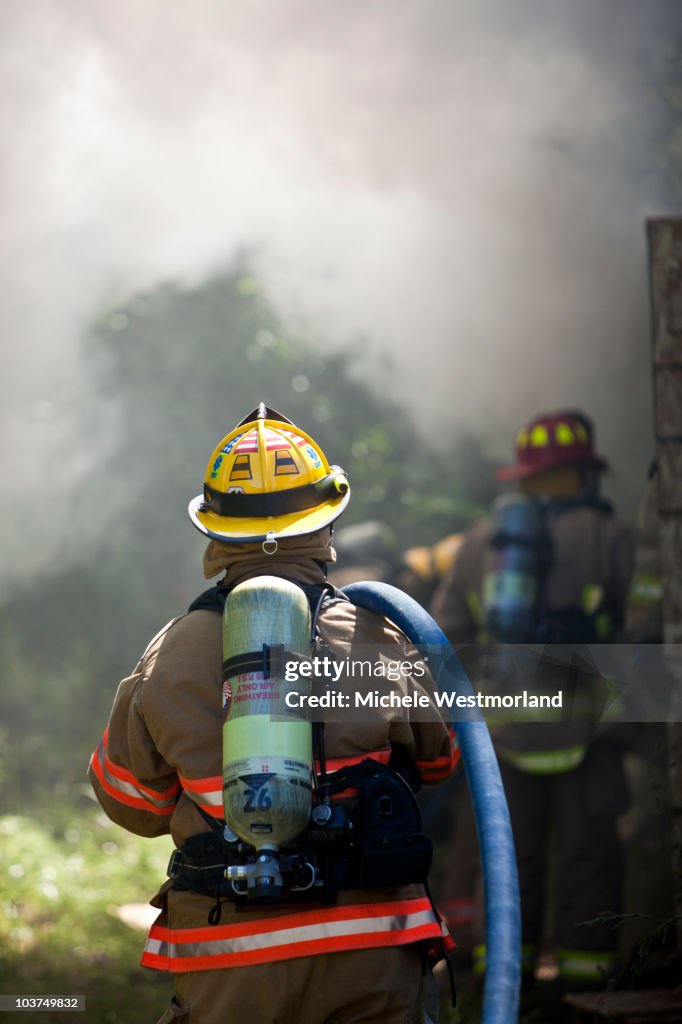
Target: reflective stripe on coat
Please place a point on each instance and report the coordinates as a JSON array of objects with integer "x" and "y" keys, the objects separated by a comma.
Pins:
[{"x": 308, "y": 933}]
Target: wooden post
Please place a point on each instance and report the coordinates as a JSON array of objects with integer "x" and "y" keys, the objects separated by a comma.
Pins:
[{"x": 665, "y": 279}]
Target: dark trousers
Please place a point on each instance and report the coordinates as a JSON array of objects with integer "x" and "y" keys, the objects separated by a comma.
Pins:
[{"x": 574, "y": 815}]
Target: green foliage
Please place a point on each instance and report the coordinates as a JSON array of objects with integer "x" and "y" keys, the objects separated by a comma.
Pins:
[
  {"x": 172, "y": 371},
  {"x": 60, "y": 886},
  {"x": 184, "y": 367}
]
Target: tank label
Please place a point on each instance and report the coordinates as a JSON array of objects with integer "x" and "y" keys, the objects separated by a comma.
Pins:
[
  {"x": 254, "y": 772},
  {"x": 252, "y": 694}
]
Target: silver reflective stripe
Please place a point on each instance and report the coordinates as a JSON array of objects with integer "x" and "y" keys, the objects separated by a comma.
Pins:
[
  {"x": 288, "y": 936},
  {"x": 214, "y": 798},
  {"x": 646, "y": 590},
  {"x": 128, "y": 788},
  {"x": 210, "y": 797}
]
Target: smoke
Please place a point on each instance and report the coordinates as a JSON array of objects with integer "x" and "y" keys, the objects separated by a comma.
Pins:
[{"x": 464, "y": 183}]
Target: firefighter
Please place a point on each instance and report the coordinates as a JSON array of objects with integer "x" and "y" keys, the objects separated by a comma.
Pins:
[
  {"x": 422, "y": 568},
  {"x": 552, "y": 565},
  {"x": 369, "y": 551},
  {"x": 359, "y": 951}
]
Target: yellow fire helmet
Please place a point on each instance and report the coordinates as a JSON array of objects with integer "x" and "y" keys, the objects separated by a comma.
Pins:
[{"x": 267, "y": 480}]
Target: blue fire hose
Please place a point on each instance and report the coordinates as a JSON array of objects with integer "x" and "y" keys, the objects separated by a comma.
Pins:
[{"x": 500, "y": 880}]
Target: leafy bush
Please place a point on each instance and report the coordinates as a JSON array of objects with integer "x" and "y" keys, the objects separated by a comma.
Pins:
[
  {"x": 175, "y": 369},
  {"x": 60, "y": 886}
]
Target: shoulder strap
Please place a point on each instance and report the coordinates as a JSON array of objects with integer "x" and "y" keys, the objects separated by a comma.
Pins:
[
  {"x": 318, "y": 594},
  {"x": 557, "y": 506},
  {"x": 211, "y": 600},
  {"x": 217, "y": 824}
]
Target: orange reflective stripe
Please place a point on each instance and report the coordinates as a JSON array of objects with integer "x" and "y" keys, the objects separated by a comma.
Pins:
[
  {"x": 312, "y": 932},
  {"x": 299, "y": 919},
  {"x": 125, "y": 776},
  {"x": 334, "y": 764},
  {"x": 122, "y": 786},
  {"x": 207, "y": 793},
  {"x": 438, "y": 768},
  {"x": 207, "y": 785}
]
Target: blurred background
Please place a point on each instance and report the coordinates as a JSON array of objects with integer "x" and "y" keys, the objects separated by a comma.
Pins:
[{"x": 409, "y": 227}]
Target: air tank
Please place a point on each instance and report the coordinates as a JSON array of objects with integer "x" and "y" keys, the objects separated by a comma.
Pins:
[
  {"x": 511, "y": 584},
  {"x": 267, "y": 764}
]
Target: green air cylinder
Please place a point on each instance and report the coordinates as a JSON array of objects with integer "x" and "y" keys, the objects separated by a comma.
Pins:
[{"x": 267, "y": 765}]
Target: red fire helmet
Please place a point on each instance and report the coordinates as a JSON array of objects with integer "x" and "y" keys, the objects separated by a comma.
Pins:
[{"x": 551, "y": 440}]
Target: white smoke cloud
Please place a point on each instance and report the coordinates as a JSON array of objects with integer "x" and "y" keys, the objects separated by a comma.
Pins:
[{"x": 461, "y": 182}]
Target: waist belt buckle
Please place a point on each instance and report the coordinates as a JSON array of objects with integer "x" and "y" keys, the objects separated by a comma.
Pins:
[{"x": 173, "y": 869}]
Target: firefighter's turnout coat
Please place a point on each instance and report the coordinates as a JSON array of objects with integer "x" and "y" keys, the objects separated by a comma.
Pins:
[
  {"x": 593, "y": 558},
  {"x": 565, "y": 776},
  {"x": 161, "y": 758}
]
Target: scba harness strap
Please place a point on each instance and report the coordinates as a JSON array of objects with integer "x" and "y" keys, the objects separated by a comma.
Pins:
[
  {"x": 379, "y": 843},
  {"x": 521, "y": 555},
  {"x": 318, "y": 594}
]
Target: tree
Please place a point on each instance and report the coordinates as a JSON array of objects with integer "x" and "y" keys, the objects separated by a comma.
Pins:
[{"x": 174, "y": 366}]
